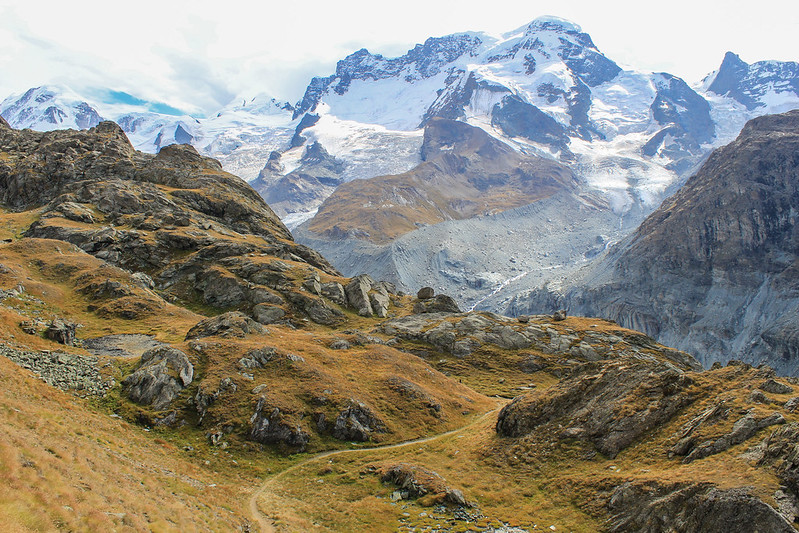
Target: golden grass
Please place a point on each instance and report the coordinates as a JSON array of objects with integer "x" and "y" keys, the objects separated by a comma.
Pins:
[{"x": 64, "y": 467}]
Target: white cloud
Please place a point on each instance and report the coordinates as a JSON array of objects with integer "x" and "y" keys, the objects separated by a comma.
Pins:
[{"x": 196, "y": 55}]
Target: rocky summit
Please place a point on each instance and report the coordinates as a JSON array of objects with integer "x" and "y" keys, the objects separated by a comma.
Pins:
[{"x": 171, "y": 359}]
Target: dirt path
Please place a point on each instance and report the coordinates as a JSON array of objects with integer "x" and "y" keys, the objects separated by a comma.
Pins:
[{"x": 267, "y": 526}]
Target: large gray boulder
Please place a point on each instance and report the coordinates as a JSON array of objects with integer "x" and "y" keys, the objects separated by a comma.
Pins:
[
  {"x": 357, "y": 422},
  {"x": 163, "y": 372},
  {"x": 357, "y": 292},
  {"x": 232, "y": 324},
  {"x": 268, "y": 425}
]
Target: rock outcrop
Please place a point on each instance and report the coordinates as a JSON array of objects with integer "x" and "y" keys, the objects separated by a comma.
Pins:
[
  {"x": 653, "y": 507},
  {"x": 710, "y": 271},
  {"x": 268, "y": 425},
  {"x": 600, "y": 403},
  {"x": 162, "y": 373}
]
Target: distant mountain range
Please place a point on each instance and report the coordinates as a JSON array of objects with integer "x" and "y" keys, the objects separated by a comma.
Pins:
[{"x": 543, "y": 92}]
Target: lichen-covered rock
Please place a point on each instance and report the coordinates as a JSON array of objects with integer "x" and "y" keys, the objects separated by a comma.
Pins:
[
  {"x": 232, "y": 324},
  {"x": 425, "y": 293},
  {"x": 653, "y": 507},
  {"x": 357, "y": 292},
  {"x": 334, "y": 292},
  {"x": 268, "y": 425},
  {"x": 775, "y": 387},
  {"x": 61, "y": 331},
  {"x": 601, "y": 403},
  {"x": 267, "y": 314},
  {"x": 440, "y": 303},
  {"x": 162, "y": 373},
  {"x": 417, "y": 482},
  {"x": 357, "y": 423},
  {"x": 257, "y": 358}
]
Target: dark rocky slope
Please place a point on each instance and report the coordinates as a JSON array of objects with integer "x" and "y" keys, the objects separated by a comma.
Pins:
[{"x": 714, "y": 270}]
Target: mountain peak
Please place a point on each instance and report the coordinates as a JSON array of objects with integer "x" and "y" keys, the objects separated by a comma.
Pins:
[{"x": 552, "y": 23}]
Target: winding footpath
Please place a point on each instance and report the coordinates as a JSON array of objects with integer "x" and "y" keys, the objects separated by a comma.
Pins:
[{"x": 267, "y": 526}]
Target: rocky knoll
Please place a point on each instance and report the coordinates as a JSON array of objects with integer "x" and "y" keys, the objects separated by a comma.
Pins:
[
  {"x": 621, "y": 407},
  {"x": 713, "y": 270},
  {"x": 192, "y": 231}
]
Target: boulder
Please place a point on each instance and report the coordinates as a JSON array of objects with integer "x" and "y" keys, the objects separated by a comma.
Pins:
[
  {"x": 437, "y": 304},
  {"x": 357, "y": 423},
  {"x": 425, "y": 293},
  {"x": 380, "y": 303},
  {"x": 417, "y": 481},
  {"x": 268, "y": 425},
  {"x": 162, "y": 373},
  {"x": 334, "y": 292},
  {"x": 61, "y": 331},
  {"x": 232, "y": 324},
  {"x": 256, "y": 358},
  {"x": 357, "y": 292},
  {"x": 775, "y": 387},
  {"x": 267, "y": 314}
]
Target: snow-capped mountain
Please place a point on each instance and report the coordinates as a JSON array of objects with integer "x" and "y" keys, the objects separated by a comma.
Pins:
[
  {"x": 630, "y": 137},
  {"x": 49, "y": 108}
]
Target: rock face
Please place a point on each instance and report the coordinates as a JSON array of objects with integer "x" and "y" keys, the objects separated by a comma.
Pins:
[
  {"x": 654, "y": 507},
  {"x": 596, "y": 403},
  {"x": 162, "y": 373},
  {"x": 357, "y": 422},
  {"x": 464, "y": 173},
  {"x": 711, "y": 271},
  {"x": 268, "y": 425},
  {"x": 749, "y": 83},
  {"x": 231, "y": 324}
]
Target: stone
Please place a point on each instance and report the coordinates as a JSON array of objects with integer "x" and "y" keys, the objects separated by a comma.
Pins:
[
  {"x": 267, "y": 314},
  {"x": 416, "y": 481},
  {"x": 339, "y": 344},
  {"x": 357, "y": 292},
  {"x": 231, "y": 324},
  {"x": 268, "y": 425},
  {"x": 775, "y": 387},
  {"x": 61, "y": 331},
  {"x": 357, "y": 423},
  {"x": 559, "y": 315},
  {"x": 380, "y": 303},
  {"x": 792, "y": 404},
  {"x": 437, "y": 304},
  {"x": 425, "y": 293},
  {"x": 162, "y": 373},
  {"x": 257, "y": 358},
  {"x": 334, "y": 292}
]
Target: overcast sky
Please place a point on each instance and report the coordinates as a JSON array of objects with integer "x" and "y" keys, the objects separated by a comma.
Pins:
[{"x": 198, "y": 55}]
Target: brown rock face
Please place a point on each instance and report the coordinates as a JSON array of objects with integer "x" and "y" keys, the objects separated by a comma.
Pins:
[{"x": 464, "y": 173}]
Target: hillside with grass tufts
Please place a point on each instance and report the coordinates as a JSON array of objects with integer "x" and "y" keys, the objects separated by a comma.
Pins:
[{"x": 172, "y": 360}]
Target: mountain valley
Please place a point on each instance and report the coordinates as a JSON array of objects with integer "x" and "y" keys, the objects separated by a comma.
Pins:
[{"x": 498, "y": 283}]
